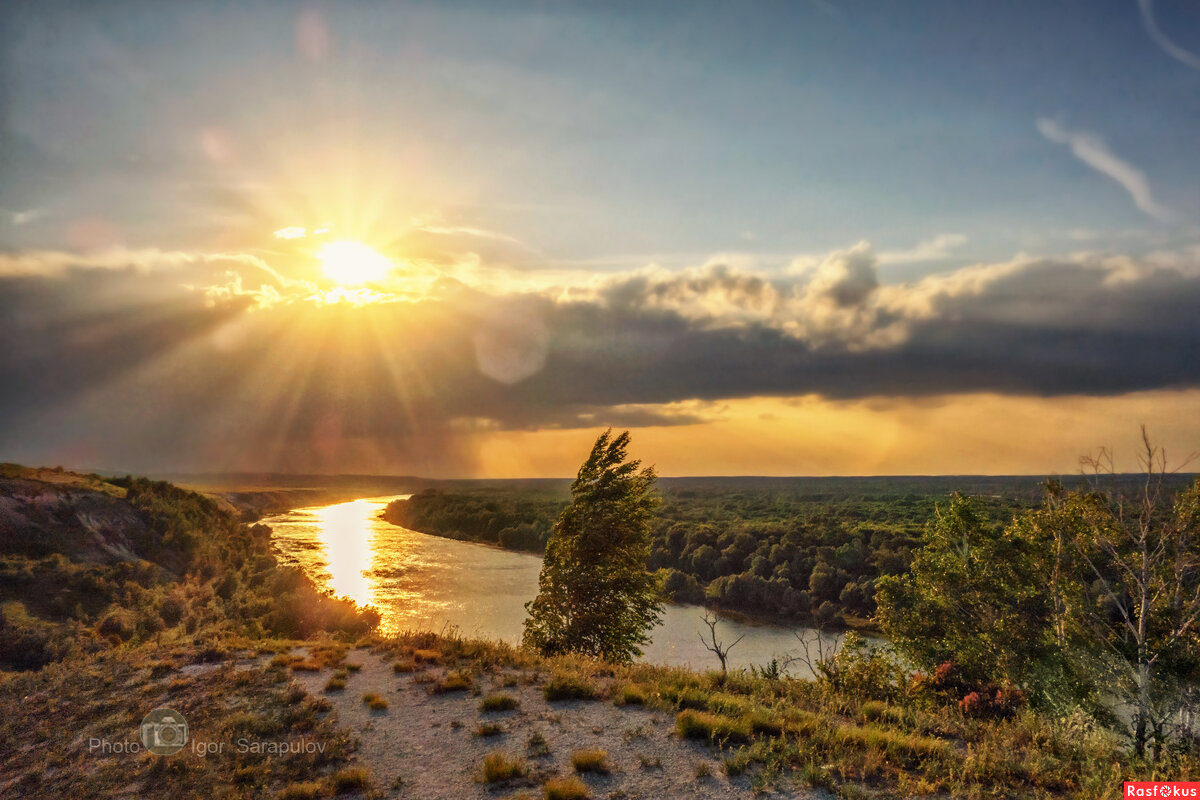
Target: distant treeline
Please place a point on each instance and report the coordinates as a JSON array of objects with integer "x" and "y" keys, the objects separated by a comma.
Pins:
[{"x": 788, "y": 548}]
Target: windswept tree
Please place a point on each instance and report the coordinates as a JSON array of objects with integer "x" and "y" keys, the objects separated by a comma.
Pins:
[{"x": 595, "y": 595}]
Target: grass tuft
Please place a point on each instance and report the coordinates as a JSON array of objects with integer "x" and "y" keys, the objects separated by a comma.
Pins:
[
  {"x": 591, "y": 759},
  {"x": 566, "y": 789},
  {"x": 566, "y": 686},
  {"x": 498, "y": 767},
  {"x": 499, "y": 702},
  {"x": 630, "y": 695},
  {"x": 454, "y": 682},
  {"x": 304, "y": 790},
  {"x": 693, "y": 724},
  {"x": 350, "y": 779},
  {"x": 375, "y": 702}
]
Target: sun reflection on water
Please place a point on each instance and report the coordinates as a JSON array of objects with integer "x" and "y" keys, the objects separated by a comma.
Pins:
[{"x": 346, "y": 532}]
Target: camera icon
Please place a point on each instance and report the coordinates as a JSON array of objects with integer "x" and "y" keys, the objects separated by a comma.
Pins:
[{"x": 164, "y": 731}]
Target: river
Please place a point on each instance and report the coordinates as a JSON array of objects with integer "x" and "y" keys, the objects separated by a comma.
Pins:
[{"x": 422, "y": 582}]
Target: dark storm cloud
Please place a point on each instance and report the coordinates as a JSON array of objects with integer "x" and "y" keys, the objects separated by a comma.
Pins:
[{"x": 174, "y": 357}]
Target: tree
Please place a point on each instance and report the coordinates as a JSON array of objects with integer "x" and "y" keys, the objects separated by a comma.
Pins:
[
  {"x": 1137, "y": 592},
  {"x": 974, "y": 595},
  {"x": 594, "y": 593},
  {"x": 719, "y": 649}
]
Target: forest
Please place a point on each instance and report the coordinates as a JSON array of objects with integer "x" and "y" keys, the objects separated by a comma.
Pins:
[{"x": 792, "y": 549}]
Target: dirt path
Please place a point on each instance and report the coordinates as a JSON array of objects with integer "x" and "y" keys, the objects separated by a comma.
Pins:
[{"x": 428, "y": 746}]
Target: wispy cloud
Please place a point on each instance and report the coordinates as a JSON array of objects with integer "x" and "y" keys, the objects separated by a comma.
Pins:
[
  {"x": 935, "y": 249},
  {"x": 1091, "y": 150},
  {"x": 1180, "y": 54}
]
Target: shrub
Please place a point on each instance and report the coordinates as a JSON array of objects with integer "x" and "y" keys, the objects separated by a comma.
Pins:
[
  {"x": 375, "y": 702},
  {"x": 335, "y": 685},
  {"x": 499, "y": 702},
  {"x": 401, "y": 667},
  {"x": 305, "y": 790},
  {"x": 566, "y": 686},
  {"x": 591, "y": 759},
  {"x": 630, "y": 695},
  {"x": 537, "y": 745},
  {"x": 487, "y": 729},
  {"x": 350, "y": 779},
  {"x": 454, "y": 682},
  {"x": 566, "y": 789},
  {"x": 499, "y": 767},
  {"x": 693, "y": 724}
]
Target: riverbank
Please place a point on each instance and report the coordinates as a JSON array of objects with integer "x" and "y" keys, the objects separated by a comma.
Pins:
[
  {"x": 418, "y": 581},
  {"x": 441, "y": 718}
]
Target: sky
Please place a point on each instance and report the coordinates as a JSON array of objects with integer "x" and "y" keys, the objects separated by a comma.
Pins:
[{"x": 459, "y": 239}]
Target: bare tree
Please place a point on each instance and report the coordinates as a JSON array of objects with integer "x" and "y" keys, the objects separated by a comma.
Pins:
[
  {"x": 1141, "y": 551},
  {"x": 817, "y": 652},
  {"x": 713, "y": 645}
]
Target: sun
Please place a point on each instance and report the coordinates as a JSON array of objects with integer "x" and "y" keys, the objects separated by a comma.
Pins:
[{"x": 353, "y": 263}]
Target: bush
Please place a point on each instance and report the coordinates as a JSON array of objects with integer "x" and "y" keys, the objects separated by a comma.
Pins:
[
  {"x": 566, "y": 686},
  {"x": 590, "y": 760},
  {"x": 374, "y": 701},
  {"x": 499, "y": 767},
  {"x": 350, "y": 779},
  {"x": 499, "y": 702},
  {"x": 693, "y": 724},
  {"x": 630, "y": 695},
  {"x": 454, "y": 682},
  {"x": 305, "y": 790},
  {"x": 566, "y": 789}
]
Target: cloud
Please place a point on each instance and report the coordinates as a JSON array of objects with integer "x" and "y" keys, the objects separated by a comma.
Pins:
[
  {"x": 1180, "y": 54},
  {"x": 1091, "y": 150},
  {"x": 935, "y": 249},
  {"x": 146, "y": 367}
]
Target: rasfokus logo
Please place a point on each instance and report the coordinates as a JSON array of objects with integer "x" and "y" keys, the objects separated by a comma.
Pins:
[{"x": 164, "y": 731}]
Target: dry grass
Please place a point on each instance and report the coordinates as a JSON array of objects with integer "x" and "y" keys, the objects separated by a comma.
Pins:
[
  {"x": 566, "y": 789},
  {"x": 458, "y": 681},
  {"x": 374, "y": 701},
  {"x": 498, "y": 767},
  {"x": 304, "y": 790},
  {"x": 631, "y": 694},
  {"x": 693, "y": 724},
  {"x": 569, "y": 686},
  {"x": 498, "y": 702},
  {"x": 591, "y": 759},
  {"x": 350, "y": 779}
]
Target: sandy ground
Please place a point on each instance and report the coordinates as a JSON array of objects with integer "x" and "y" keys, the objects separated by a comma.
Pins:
[{"x": 426, "y": 745}]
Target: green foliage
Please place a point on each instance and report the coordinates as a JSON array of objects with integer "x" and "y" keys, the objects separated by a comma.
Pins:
[
  {"x": 516, "y": 521},
  {"x": 568, "y": 686},
  {"x": 595, "y": 596},
  {"x": 185, "y": 568},
  {"x": 863, "y": 671},
  {"x": 754, "y": 545},
  {"x": 974, "y": 596}
]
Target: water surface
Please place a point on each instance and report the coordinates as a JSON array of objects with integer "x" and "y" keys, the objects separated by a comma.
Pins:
[{"x": 422, "y": 582}]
